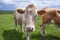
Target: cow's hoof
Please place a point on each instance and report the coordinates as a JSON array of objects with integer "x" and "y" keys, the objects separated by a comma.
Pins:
[
  {"x": 22, "y": 30},
  {"x": 43, "y": 34},
  {"x": 16, "y": 29}
]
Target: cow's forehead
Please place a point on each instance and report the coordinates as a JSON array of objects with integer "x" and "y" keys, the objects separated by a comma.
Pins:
[
  {"x": 31, "y": 6},
  {"x": 31, "y": 9}
]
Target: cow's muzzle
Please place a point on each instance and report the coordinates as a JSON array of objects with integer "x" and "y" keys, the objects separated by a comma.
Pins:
[{"x": 30, "y": 29}]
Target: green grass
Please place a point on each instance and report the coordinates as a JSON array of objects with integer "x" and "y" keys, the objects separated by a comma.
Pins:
[{"x": 7, "y": 31}]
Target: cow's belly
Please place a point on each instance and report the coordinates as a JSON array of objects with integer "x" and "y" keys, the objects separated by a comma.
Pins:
[
  {"x": 57, "y": 24},
  {"x": 51, "y": 22},
  {"x": 54, "y": 22},
  {"x": 57, "y": 20}
]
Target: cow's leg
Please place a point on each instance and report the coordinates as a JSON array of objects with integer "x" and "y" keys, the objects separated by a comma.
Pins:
[
  {"x": 28, "y": 36},
  {"x": 42, "y": 30},
  {"x": 16, "y": 25},
  {"x": 21, "y": 24},
  {"x": 45, "y": 19},
  {"x": 23, "y": 27}
]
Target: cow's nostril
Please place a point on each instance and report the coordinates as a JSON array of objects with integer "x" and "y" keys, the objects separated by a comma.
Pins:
[
  {"x": 28, "y": 28},
  {"x": 32, "y": 28}
]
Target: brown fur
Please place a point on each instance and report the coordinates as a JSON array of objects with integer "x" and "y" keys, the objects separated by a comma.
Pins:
[
  {"x": 41, "y": 12},
  {"x": 20, "y": 11},
  {"x": 58, "y": 11},
  {"x": 50, "y": 14}
]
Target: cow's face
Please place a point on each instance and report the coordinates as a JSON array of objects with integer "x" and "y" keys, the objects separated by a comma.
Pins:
[{"x": 31, "y": 15}]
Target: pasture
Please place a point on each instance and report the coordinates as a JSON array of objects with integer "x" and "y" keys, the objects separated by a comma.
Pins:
[{"x": 7, "y": 29}]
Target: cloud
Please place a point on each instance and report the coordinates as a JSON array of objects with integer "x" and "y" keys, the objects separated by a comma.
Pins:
[
  {"x": 7, "y": 1},
  {"x": 24, "y": 3},
  {"x": 12, "y": 1},
  {"x": 45, "y": 3}
]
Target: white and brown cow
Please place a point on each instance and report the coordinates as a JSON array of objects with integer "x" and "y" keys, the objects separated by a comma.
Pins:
[
  {"x": 49, "y": 15},
  {"x": 26, "y": 19}
]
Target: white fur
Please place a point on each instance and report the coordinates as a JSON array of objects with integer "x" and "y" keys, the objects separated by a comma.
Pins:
[{"x": 52, "y": 21}]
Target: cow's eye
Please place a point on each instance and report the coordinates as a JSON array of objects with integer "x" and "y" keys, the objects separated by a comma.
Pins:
[
  {"x": 30, "y": 11},
  {"x": 35, "y": 16}
]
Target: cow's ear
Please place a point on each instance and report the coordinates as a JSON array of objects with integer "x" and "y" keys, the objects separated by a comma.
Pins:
[
  {"x": 20, "y": 11},
  {"x": 41, "y": 12},
  {"x": 58, "y": 11}
]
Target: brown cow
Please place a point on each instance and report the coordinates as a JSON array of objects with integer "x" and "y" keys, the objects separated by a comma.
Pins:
[{"x": 49, "y": 15}]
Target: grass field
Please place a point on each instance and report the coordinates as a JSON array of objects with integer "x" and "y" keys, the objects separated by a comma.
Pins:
[{"x": 7, "y": 31}]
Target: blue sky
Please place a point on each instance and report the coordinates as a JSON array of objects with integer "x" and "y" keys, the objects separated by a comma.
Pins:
[{"x": 13, "y": 4}]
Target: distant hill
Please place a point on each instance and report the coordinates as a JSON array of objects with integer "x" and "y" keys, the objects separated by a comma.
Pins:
[{"x": 5, "y": 11}]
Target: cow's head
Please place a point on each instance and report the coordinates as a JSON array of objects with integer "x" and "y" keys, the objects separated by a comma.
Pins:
[{"x": 31, "y": 15}]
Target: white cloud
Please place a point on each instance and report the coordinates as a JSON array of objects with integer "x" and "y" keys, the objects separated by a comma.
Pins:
[
  {"x": 24, "y": 3},
  {"x": 12, "y": 1},
  {"x": 7, "y": 1},
  {"x": 47, "y": 3}
]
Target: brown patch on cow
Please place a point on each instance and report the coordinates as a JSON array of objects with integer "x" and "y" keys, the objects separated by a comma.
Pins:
[
  {"x": 46, "y": 18},
  {"x": 20, "y": 11},
  {"x": 57, "y": 20},
  {"x": 41, "y": 12},
  {"x": 58, "y": 11},
  {"x": 52, "y": 13}
]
